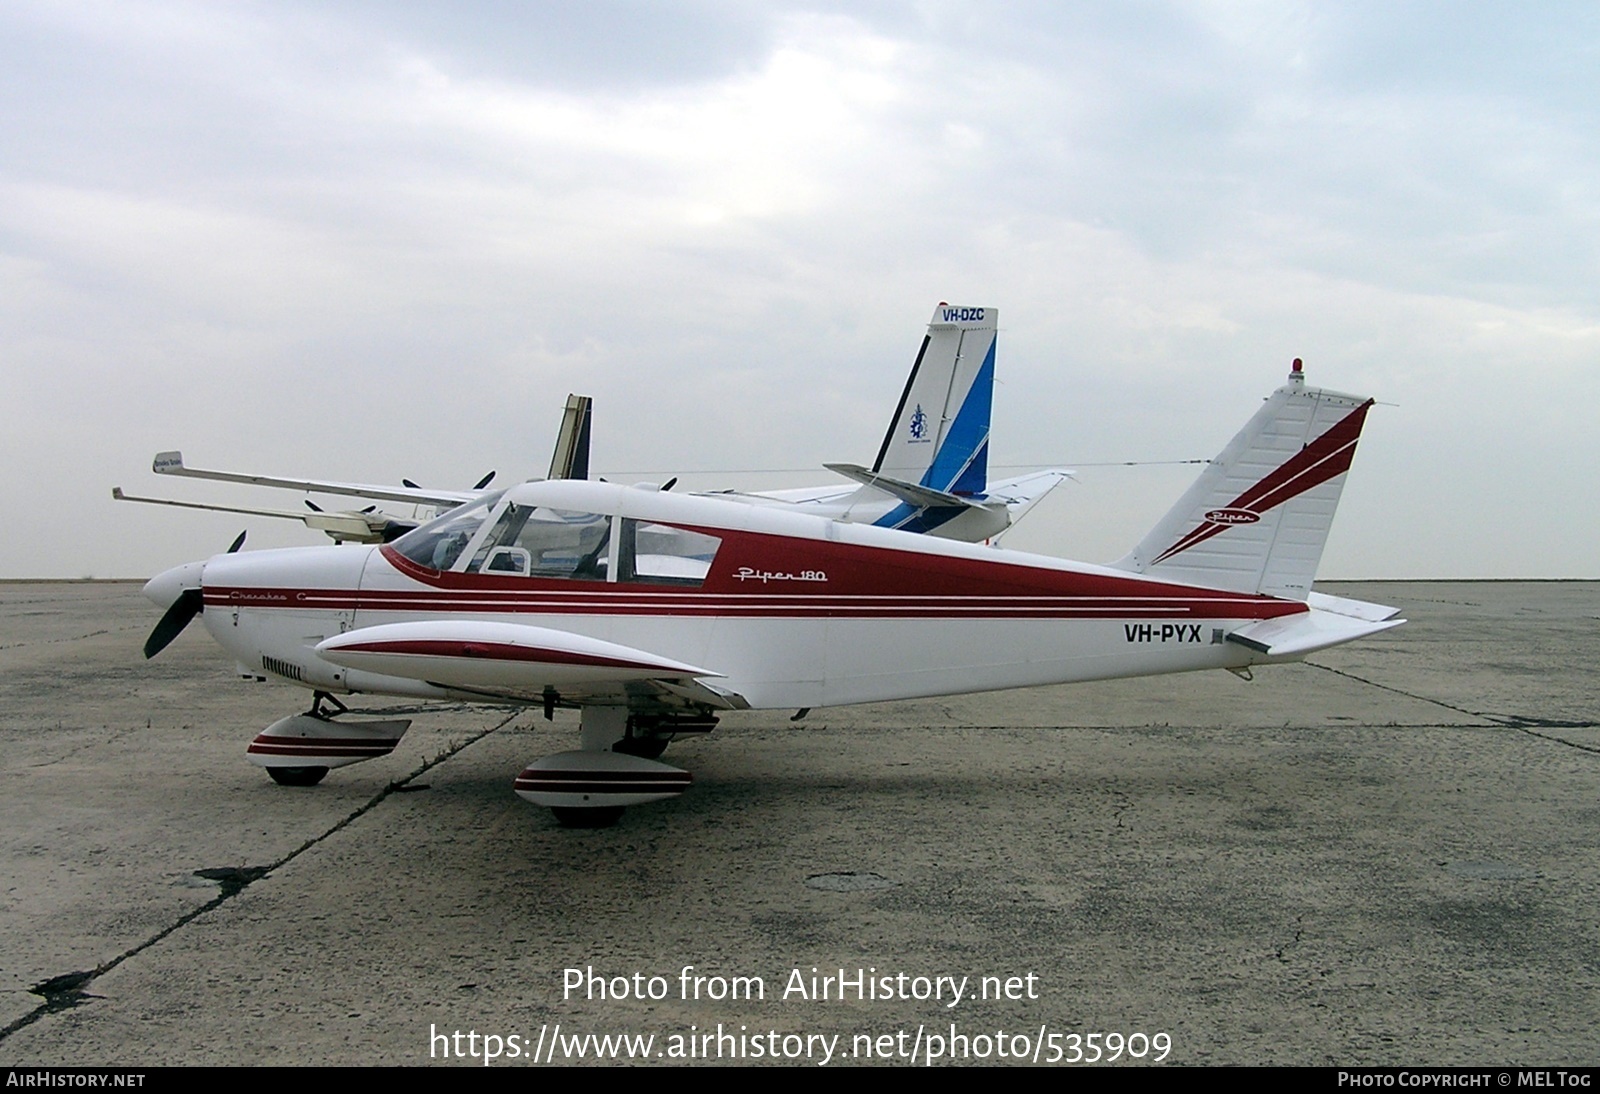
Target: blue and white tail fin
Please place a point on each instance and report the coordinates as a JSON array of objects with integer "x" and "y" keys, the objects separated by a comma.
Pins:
[
  {"x": 934, "y": 460},
  {"x": 939, "y": 435},
  {"x": 1258, "y": 517}
]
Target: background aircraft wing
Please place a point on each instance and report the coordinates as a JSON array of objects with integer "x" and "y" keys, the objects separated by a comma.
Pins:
[
  {"x": 171, "y": 463},
  {"x": 371, "y": 527}
]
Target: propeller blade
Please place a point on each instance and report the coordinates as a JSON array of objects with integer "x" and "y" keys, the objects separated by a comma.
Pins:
[
  {"x": 311, "y": 505},
  {"x": 670, "y": 484},
  {"x": 485, "y": 481},
  {"x": 238, "y": 543},
  {"x": 409, "y": 484},
  {"x": 183, "y": 609}
]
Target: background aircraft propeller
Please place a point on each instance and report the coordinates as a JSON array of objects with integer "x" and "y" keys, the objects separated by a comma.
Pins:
[{"x": 190, "y": 603}]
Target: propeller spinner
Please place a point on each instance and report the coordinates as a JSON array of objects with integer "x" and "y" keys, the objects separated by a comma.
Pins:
[{"x": 178, "y": 590}]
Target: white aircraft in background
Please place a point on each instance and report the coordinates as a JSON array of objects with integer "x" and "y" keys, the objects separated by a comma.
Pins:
[
  {"x": 653, "y": 612},
  {"x": 932, "y": 470},
  {"x": 931, "y": 474}
]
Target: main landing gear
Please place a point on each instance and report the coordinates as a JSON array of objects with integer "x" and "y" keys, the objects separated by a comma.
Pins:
[{"x": 615, "y": 767}]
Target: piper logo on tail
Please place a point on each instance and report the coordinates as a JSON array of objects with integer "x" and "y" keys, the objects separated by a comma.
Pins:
[{"x": 1232, "y": 516}]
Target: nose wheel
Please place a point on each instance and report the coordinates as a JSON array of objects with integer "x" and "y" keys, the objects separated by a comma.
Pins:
[
  {"x": 297, "y": 776},
  {"x": 570, "y": 817},
  {"x": 300, "y": 750}
]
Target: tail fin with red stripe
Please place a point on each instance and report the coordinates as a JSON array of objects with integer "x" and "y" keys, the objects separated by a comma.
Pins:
[{"x": 1257, "y": 518}]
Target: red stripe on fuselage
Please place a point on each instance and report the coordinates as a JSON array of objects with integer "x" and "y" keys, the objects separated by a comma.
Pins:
[{"x": 847, "y": 581}]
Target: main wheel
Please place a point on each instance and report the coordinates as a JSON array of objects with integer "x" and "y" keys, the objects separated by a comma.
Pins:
[
  {"x": 569, "y": 816},
  {"x": 297, "y": 776}
]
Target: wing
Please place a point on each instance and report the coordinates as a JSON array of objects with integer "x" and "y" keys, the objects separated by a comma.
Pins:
[
  {"x": 353, "y": 527},
  {"x": 515, "y": 661},
  {"x": 171, "y": 463}
]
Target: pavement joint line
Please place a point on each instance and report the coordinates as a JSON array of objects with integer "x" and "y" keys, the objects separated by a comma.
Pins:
[
  {"x": 1509, "y": 721},
  {"x": 1561, "y": 741},
  {"x": 68, "y": 990}
]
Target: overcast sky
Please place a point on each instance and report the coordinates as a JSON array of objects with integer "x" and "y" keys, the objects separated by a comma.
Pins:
[{"x": 372, "y": 240}]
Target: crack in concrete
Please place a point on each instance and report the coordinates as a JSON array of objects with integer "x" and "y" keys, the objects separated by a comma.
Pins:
[
  {"x": 68, "y": 638},
  {"x": 68, "y": 990},
  {"x": 1293, "y": 942}
]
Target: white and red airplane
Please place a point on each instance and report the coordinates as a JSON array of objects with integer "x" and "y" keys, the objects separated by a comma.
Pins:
[{"x": 652, "y": 612}]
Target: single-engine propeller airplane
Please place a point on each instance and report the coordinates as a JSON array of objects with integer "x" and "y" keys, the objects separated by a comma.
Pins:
[{"x": 653, "y": 612}]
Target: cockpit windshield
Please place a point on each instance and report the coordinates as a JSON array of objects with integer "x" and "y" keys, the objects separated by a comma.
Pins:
[
  {"x": 494, "y": 536},
  {"x": 439, "y": 543}
]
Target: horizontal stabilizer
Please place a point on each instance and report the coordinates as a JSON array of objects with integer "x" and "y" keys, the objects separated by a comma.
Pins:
[
  {"x": 1294, "y": 636},
  {"x": 479, "y": 654},
  {"x": 910, "y": 493},
  {"x": 1022, "y": 493},
  {"x": 1355, "y": 609}
]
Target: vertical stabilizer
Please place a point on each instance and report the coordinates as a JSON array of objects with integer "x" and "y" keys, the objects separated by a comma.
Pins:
[
  {"x": 570, "y": 460},
  {"x": 1257, "y": 518},
  {"x": 939, "y": 436}
]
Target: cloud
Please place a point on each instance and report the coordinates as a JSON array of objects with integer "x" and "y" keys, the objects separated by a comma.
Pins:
[{"x": 363, "y": 240}]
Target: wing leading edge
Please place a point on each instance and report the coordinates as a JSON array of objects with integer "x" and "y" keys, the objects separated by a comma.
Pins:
[{"x": 518, "y": 661}]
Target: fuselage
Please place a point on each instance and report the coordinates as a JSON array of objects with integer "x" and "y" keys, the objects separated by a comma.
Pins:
[{"x": 788, "y": 610}]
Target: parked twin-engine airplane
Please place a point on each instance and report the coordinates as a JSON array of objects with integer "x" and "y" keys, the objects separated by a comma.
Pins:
[
  {"x": 653, "y": 612},
  {"x": 570, "y": 460},
  {"x": 931, "y": 474}
]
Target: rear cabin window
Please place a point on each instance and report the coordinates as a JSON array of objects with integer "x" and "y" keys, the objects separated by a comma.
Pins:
[{"x": 659, "y": 554}]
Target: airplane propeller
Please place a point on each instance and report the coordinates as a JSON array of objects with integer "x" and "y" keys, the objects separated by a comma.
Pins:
[
  {"x": 479, "y": 485},
  {"x": 189, "y": 603}
]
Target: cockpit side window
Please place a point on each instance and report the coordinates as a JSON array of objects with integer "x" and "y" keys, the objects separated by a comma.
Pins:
[
  {"x": 659, "y": 554},
  {"x": 534, "y": 541}
]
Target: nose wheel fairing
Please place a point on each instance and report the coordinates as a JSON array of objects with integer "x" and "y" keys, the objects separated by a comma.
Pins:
[{"x": 307, "y": 741}]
